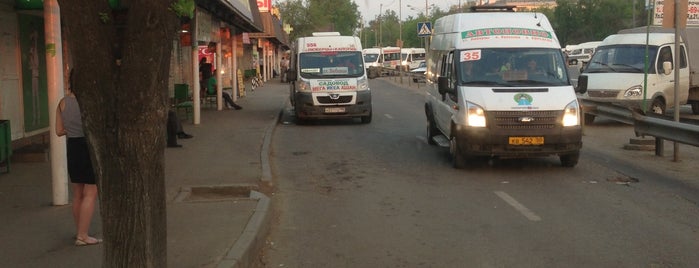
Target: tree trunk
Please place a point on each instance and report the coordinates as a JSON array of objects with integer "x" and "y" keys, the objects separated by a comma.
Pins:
[{"x": 124, "y": 108}]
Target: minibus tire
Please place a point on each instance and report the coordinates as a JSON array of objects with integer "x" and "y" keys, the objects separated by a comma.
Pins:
[
  {"x": 657, "y": 106},
  {"x": 458, "y": 160},
  {"x": 570, "y": 160},
  {"x": 431, "y": 129},
  {"x": 589, "y": 119},
  {"x": 366, "y": 119}
]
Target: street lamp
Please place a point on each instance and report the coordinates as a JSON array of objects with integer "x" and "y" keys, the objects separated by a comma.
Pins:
[{"x": 427, "y": 9}]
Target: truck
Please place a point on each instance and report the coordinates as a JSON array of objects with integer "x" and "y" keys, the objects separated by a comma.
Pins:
[
  {"x": 616, "y": 71},
  {"x": 328, "y": 78},
  {"x": 498, "y": 87}
]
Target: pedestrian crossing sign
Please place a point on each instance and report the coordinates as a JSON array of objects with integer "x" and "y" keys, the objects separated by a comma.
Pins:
[{"x": 424, "y": 29}]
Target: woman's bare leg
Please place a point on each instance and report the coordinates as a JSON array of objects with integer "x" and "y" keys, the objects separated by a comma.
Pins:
[{"x": 87, "y": 208}]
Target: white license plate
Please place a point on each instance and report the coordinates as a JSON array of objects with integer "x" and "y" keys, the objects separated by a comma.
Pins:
[{"x": 335, "y": 110}]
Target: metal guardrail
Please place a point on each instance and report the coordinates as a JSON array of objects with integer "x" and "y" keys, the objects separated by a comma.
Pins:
[
  {"x": 666, "y": 129},
  {"x": 614, "y": 112},
  {"x": 686, "y": 131}
]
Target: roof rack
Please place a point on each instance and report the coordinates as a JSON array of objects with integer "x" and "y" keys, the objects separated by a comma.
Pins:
[{"x": 493, "y": 8}]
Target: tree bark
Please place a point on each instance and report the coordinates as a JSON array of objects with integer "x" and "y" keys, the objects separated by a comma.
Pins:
[{"x": 120, "y": 68}]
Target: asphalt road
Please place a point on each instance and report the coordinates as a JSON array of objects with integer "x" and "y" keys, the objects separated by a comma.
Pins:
[{"x": 377, "y": 195}]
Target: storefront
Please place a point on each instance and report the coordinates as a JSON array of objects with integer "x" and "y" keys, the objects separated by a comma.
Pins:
[
  {"x": 218, "y": 30},
  {"x": 272, "y": 42}
]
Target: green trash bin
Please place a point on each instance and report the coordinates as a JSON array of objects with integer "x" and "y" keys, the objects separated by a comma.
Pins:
[{"x": 5, "y": 146}]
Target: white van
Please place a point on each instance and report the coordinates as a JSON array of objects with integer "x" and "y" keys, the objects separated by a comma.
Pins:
[
  {"x": 390, "y": 57},
  {"x": 328, "y": 78},
  {"x": 583, "y": 52},
  {"x": 412, "y": 57},
  {"x": 616, "y": 73},
  {"x": 498, "y": 86},
  {"x": 373, "y": 61}
]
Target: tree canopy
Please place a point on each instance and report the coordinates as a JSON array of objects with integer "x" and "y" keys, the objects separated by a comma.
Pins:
[
  {"x": 308, "y": 16},
  {"x": 575, "y": 21}
]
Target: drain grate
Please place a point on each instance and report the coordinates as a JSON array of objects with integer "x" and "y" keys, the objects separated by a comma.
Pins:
[{"x": 215, "y": 192}]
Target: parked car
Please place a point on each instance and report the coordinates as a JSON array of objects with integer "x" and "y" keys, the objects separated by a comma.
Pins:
[{"x": 418, "y": 73}]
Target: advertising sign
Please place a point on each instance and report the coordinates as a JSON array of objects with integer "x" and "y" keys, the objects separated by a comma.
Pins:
[
  {"x": 264, "y": 5},
  {"x": 692, "y": 12}
]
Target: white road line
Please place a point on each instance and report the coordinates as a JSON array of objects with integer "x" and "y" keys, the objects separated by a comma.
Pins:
[
  {"x": 388, "y": 116},
  {"x": 519, "y": 207}
]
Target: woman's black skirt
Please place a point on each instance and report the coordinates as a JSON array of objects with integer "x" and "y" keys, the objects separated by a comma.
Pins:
[{"x": 79, "y": 163}]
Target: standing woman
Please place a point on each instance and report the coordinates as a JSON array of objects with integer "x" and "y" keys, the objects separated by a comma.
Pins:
[{"x": 82, "y": 177}]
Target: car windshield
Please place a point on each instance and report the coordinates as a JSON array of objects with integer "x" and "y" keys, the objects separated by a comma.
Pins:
[
  {"x": 512, "y": 67},
  {"x": 621, "y": 59},
  {"x": 371, "y": 57},
  {"x": 331, "y": 64}
]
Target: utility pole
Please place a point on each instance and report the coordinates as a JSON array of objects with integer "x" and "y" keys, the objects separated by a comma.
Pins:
[
  {"x": 400, "y": 38},
  {"x": 380, "y": 29}
]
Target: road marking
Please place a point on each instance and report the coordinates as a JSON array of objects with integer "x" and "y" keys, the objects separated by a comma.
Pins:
[
  {"x": 518, "y": 206},
  {"x": 388, "y": 116}
]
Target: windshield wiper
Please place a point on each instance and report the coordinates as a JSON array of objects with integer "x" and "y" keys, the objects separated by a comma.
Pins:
[
  {"x": 630, "y": 66},
  {"x": 605, "y": 65},
  {"x": 312, "y": 75}
]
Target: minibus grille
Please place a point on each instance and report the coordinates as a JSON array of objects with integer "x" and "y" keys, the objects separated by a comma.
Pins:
[
  {"x": 603, "y": 93},
  {"x": 525, "y": 119},
  {"x": 328, "y": 100}
]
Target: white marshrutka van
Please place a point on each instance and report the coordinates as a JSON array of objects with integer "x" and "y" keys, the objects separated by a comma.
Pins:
[
  {"x": 328, "y": 78},
  {"x": 390, "y": 57},
  {"x": 412, "y": 57},
  {"x": 498, "y": 87},
  {"x": 373, "y": 60}
]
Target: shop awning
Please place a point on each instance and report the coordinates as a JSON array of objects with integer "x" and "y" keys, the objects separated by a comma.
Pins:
[
  {"x": 272, "y": 30},
  {"x": 243, "y": 14}
]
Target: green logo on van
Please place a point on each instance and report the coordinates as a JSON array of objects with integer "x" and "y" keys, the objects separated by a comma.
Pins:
[
  {"x": 487, "y": 32},
  {"x": 523, "y": 99}
]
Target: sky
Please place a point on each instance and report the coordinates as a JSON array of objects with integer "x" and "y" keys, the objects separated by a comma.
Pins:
[{"x": 370, "y": 9}]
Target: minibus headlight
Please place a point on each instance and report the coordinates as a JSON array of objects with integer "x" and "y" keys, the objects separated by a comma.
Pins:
[
  {"x": 475, "y": 115},
  {"x": 634, "y": 91},
  {"x": 571, "y": 114},
  {"x": 304, "y": 86},
  {"x": 362, "y": 84}
]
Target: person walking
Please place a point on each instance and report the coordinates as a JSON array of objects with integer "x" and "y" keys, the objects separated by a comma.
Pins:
[
  {"x": 284, "y": 64},
  {"x": 82, "y": 176}
]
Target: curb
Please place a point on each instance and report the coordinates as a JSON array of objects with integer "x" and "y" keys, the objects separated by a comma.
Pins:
[{"x": 242, "y": 253}]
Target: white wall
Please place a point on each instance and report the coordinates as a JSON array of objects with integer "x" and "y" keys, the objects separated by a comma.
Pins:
[{"x": 10, "y": 91}]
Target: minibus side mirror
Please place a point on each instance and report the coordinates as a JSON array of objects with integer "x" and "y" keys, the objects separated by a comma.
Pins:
[
  {"x": 667, "y": 67},
  {"x": 291, "y": 75}
]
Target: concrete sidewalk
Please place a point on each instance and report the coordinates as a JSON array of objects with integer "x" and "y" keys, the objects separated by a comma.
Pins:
[{"x": 217, "y": 214}]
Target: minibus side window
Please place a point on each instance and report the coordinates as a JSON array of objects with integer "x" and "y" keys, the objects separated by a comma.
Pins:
[{"x": 448, "y": 72}]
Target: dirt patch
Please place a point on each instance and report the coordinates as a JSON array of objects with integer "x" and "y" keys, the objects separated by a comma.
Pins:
[{"x": 215, "y": 192}]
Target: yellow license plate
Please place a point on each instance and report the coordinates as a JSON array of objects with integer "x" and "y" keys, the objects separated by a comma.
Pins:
[{"x": 526, "y": 140}]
